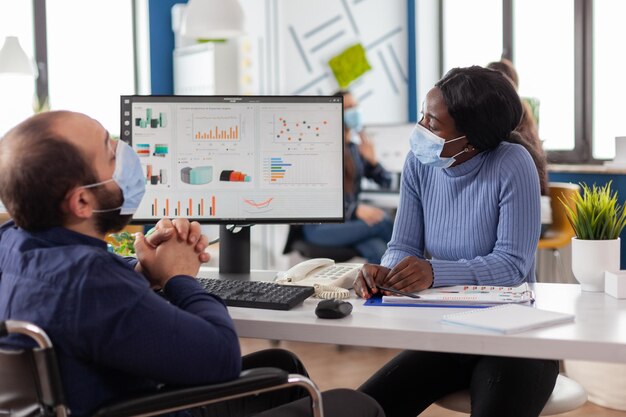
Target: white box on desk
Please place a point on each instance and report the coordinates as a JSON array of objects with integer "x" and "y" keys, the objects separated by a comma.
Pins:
[{"x": 615, "y": 284}]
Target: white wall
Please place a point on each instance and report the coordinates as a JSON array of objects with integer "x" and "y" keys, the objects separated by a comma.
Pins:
[{"x": 296, "y": 39}]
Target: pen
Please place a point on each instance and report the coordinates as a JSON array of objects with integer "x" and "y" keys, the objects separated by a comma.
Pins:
[{"x": 393, "y": 290}]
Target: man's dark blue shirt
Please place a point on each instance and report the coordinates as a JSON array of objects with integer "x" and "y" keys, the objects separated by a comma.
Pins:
[{"x": 113, "y": 335}]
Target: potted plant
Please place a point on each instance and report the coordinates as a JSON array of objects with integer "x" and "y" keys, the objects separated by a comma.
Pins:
[
  {"x": 597, "y": 219},
  {"x": 122, "y": 243}
]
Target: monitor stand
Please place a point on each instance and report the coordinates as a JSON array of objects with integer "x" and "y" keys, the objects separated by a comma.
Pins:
[{"x": 234, "y": 250}]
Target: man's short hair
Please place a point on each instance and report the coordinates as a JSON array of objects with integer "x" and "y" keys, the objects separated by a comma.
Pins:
[{"x": 38, "y": 167}]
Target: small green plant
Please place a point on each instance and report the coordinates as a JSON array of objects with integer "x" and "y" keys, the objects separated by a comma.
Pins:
[
  {"x": 124, "y": 243},
  {"x": 597, "y": 214}
]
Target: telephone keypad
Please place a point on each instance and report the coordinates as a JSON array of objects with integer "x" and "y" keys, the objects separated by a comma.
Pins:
[{"x": 334, "y": 272}]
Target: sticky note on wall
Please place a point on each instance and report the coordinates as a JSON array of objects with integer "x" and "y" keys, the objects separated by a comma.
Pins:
[{"x": 349, "y": 65}]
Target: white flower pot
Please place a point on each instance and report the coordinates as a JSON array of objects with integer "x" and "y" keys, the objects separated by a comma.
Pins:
[{"x": 591, "y": 258}]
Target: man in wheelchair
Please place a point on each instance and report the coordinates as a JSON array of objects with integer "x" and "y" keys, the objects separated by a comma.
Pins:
[{"x": 67, "y": 184}]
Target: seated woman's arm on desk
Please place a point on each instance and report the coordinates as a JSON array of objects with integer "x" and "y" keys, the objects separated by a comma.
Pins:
[{"x": 479, "y": 221}]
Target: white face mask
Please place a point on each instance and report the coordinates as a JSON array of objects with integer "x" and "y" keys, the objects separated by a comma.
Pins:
[
  {"x": 427, "y": 147},
  {"x": 128, "y": 175},
  {"x": 353, "y": 119}
]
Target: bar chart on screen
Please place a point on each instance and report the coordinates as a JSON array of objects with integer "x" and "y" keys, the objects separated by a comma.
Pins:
[
  {"x": 294, "y": 169},
  {"x": 191, "y": 207},
  {"x": 216, "y": 128},
  {"x": 151, "y": 118},
  {"x": 227, "y": 123}
]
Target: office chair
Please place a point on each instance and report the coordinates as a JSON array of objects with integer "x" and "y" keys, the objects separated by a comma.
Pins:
[
  {"x": 560, "y": 233},
  {"x": 296, "y": 242},
  {"x": 567, "y": 395},
  {"x": 30, "y": 384}
]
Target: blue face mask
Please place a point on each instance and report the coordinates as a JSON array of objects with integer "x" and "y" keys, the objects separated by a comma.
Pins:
[
  {"x": 427, "y": 147},
  {"x": 128, "y": 175},
  {"x": 353, "y": 119}
]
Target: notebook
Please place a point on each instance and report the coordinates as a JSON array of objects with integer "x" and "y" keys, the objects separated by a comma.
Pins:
[
  {"x": 466, "y": 295},
  {"x": 508, "y": 318}
]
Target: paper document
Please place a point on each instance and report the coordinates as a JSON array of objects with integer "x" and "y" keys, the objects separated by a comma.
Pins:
[
  {"x": 510, "y": 318},
  {"x": 467, "y": 295}
]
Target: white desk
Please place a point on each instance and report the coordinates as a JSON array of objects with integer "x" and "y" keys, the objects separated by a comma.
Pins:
[{"x": 598, "y": 334}]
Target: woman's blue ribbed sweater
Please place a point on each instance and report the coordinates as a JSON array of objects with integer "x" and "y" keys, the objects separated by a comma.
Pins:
[{"x": 479, "y": 221}]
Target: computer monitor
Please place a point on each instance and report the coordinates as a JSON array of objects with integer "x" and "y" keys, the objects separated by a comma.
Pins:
[{"x": 238, "y": 160}]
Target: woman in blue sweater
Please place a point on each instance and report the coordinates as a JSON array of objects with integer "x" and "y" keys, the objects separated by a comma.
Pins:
[{"x": 469, "y": 213}]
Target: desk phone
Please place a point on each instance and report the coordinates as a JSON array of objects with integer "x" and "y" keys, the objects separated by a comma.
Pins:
[{"x": 329, "y": 280}]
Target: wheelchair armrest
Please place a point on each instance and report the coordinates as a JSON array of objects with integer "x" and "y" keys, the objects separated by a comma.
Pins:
[{"x": 170, "y": 400}]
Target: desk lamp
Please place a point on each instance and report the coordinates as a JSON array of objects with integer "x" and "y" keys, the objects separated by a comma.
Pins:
[{"x": 212, "y": 19}]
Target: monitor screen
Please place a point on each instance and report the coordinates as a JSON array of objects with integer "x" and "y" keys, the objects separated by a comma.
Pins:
[{"x": 238, "y": 159}]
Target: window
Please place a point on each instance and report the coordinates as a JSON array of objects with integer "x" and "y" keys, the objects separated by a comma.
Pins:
[
  {"x": 544, "y": 58},
  {"x": 90, "y": 57},
  {"x": 609, "y": 88},
  {"x": 16, "y": 91},
  {"x": 567, "y": 55},
  {"x": 474, "y": 41}
]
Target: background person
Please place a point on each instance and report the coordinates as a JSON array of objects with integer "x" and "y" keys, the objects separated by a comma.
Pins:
[
  {"x": 529, "y": 133},
  {"x": 469, "y": 198},
  {"x": 367, "y": 228},
  {"x": 67, "y": 185}
]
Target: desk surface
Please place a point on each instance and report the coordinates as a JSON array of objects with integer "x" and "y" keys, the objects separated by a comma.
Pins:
[{"x": 598, "y": 333}]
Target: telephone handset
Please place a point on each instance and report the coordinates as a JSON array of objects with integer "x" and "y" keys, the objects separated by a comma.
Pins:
[{"x": 330, "y": 280}]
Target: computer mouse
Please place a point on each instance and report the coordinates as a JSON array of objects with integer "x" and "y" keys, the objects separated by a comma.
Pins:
[{"x": 333, "y": 309}]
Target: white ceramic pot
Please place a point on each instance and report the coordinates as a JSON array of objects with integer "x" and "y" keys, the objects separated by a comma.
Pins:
[{"x": 591, "y": 258}]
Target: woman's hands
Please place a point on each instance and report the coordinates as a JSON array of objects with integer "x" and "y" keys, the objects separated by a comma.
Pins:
[
  {"x": 369, "y": 276},
  {"x": 410, "y": 275}
]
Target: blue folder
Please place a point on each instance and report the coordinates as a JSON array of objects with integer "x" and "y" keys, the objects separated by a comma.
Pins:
[{"x": 377, "y": 301}]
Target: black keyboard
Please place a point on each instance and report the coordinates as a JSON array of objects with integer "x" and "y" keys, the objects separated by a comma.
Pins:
[{"x": 257, "y": 294}]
